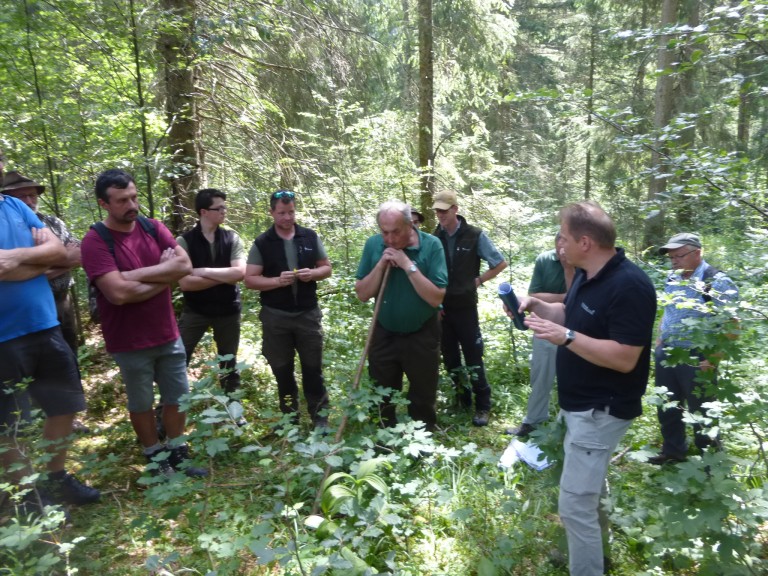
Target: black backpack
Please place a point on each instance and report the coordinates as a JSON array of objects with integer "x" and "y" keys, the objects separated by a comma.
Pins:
[{"x": 106, "y": 235}]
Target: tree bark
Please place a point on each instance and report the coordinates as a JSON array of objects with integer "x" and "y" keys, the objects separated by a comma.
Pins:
[
  {"x": 426, "y": 108},
  {"x": 184, "y": 129},
  {"x": 663, "y": 100}
]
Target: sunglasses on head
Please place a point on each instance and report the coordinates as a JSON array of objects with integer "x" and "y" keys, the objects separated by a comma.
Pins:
[{"x": 284, "y": 195}]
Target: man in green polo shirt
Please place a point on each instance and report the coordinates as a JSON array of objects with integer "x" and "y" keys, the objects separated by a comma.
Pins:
[{"x": 406, "y": 338}]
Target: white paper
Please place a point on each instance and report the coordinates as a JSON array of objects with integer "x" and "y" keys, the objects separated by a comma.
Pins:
[{"x": 528, "y": 452}]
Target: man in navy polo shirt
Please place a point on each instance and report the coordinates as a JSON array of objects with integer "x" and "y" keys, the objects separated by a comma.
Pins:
[{"x": 603, "y": 330}]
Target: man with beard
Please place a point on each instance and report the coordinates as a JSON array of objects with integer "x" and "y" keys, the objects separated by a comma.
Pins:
[{"x": 133, "y": 261}]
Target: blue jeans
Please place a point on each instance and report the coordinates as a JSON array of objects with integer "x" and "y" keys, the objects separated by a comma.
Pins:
[{"x": 591, "y": 438}]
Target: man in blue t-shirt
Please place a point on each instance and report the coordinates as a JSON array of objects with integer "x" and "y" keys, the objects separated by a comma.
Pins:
[
  {"x": 603, "y": 331},
  {"x": 34, "y": 358}
]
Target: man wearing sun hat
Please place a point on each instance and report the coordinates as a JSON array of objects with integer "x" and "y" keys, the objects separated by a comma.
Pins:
[
  {"x": 694, "y": 287},
  {"x": 59, "y": 276},
  {"x": 465, "y": 246}
]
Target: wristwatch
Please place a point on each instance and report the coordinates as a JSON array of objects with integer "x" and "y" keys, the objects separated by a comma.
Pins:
[
  {"x": 570, "y": 336},
  {"x": 412, "y": 268}
]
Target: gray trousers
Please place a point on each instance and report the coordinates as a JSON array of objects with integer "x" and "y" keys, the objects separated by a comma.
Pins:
[
  {"x": 591, "y": 438},
  {"x": 542, "y": 379}
]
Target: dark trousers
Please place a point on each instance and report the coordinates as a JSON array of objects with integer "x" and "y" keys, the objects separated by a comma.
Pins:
[
  {"x": 226, "y": 335},
  {"x": 282, "y": 337},
  {"x": 681, "y": 382},
  {"x": 461, "y": 333},
  {"x": 65, "y": 313},
  {"x": 415, "y": 355}
]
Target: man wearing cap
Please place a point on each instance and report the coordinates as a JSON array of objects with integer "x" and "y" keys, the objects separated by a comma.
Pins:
[
  {"x": 32, "y": 350},
  {"x": 693, "y": 288},
  {"x": 285, "y": 264},
  {"x": 60, "y": 275},
  {"x": 406, "y": 337},
  {"x": 465, "y": 246}
]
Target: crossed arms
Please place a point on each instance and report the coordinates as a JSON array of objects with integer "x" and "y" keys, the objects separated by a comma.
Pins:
[
  {"x": 18, "y": 264},
  {"x": 141, "y": 284}
]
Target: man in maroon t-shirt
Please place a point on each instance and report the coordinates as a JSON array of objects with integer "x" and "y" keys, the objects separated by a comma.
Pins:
[{"x": 137, "y": 318}]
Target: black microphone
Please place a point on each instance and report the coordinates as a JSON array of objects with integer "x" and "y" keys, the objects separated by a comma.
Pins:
[{"x": 507, "y": 295}]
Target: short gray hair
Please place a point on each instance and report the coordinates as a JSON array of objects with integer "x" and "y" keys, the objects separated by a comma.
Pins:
[{"x": 395, "y": 206}]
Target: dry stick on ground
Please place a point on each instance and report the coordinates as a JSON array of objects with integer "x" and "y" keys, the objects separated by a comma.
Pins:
[{"x": 356, "y": 381}]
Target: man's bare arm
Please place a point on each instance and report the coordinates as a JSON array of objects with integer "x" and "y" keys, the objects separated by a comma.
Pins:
[
  {"x": 25, "y": 263},
  {"x": 72, "y": 260},
  {"x": 174, "y": 264},
  {"x": 204, "y": 278},
  {"x": 120, "y": 291}
]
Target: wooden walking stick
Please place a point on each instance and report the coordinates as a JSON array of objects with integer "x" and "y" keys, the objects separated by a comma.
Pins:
[{"x": 358, "y": 376}]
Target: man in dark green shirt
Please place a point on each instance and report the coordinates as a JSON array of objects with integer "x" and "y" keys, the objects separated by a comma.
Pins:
[{"x": 406, "y": 338}]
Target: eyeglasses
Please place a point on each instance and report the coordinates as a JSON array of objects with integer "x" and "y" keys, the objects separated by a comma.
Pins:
[
  {"x": 219, "y": 209},
  {"x": 679, "y": 256},
  {"x": 284, "y": 195}
]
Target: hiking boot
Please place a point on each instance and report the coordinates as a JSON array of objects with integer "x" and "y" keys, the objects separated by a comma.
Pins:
[
  {"x": 661, "y": 458},
  {"x": 181, "y": 461},
  {"x": 70, "y": 490},
  {"x": 159, "y": 464},
  {"x": 481, "y": 418},
  {"x": 521, "y": 431},
  {"x": 79, "y": 428}
]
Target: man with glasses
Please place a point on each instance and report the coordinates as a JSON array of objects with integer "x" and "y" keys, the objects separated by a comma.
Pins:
[
  {"x": 465, "y": 246},
  {"x": 285, "y": 264},
  {"x": 692, "y": 288},
  {"x": 211, "y": 292}
]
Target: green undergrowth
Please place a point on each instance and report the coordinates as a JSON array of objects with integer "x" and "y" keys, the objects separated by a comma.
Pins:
[{"x": 285, "y": 499}]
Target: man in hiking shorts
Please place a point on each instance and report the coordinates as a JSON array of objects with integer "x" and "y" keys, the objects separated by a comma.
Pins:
[{"x": 133, "y": 261}]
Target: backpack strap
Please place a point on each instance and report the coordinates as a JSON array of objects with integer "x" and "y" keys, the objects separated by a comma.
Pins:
[
  {"x": 148, "y": 226},
  {"x": 709, "y": 273},
  {"x": 105, "y": 235}
]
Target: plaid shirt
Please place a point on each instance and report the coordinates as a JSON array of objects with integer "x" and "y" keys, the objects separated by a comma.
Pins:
[
  {"x": 688, "y": 302},
  {"x": 60, "y": 283}
]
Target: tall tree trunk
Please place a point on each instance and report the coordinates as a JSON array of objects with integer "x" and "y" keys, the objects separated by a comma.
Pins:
[
  {"x": 590, "y": 108},
  {"x": 687, "y": 102},
  {"x": 184, "y": 130},
  {"x": 663, "y": 100},
  {"x": 142, "y": 114},
  {"x": 426, "y": 108},
  {"x": 49, "y": 161}
]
